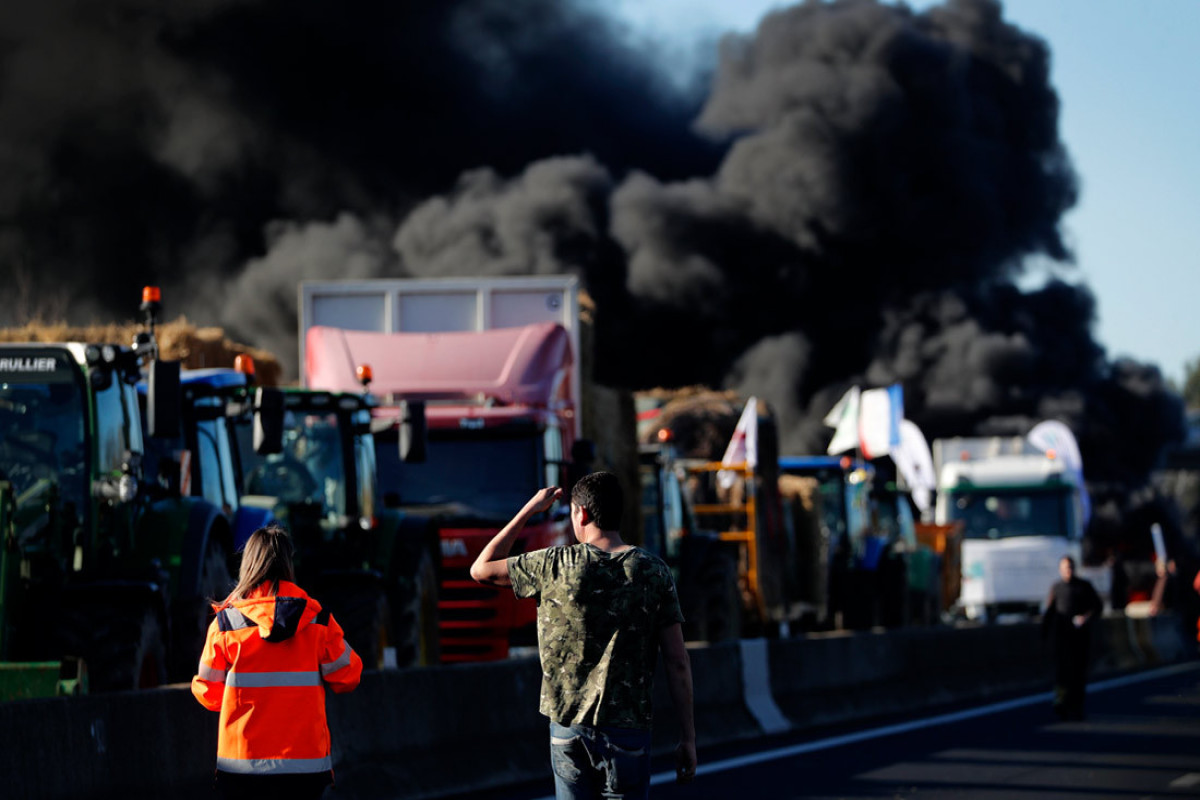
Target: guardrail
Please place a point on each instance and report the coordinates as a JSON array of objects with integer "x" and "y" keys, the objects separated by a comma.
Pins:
[{"x": 428, "y": 733}]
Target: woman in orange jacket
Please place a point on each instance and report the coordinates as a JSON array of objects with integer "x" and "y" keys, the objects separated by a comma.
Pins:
[{"x": 269, "y": 655}]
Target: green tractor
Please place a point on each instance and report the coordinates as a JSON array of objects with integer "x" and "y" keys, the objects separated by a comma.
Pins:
[
  {"x": 309, "y": 457},
  {"x": 306, "y": 460},
  {"x": 105, "y": 575}
]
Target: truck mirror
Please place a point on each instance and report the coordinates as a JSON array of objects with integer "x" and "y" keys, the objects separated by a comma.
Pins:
[
  {"x": 583, "y": 453},
  {"x": 268, "y": 421},
  {"x": 413, "y": 432},
  {"x": 164, "y": 399}
]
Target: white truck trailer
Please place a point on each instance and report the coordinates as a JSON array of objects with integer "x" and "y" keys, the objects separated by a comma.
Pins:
[{"x": 1021, "y": 509}]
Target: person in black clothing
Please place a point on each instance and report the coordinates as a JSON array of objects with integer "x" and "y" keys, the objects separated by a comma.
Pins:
[{"x": 1070, "y": 609}]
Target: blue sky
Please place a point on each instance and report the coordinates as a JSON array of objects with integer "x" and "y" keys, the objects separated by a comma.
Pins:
[{"x": 1128, "y": 75}]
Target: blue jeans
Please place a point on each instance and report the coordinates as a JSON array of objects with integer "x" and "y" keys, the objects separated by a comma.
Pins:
[{"x": 600, "y": 763}]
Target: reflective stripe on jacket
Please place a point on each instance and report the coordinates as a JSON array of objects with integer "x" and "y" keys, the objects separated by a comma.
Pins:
[{"x": 265, "y": 665}]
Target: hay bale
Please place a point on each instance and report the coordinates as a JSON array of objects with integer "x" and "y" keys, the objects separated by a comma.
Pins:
[
  {"x": 701, "y": 420},
  {"x": 178, "y": 340}
]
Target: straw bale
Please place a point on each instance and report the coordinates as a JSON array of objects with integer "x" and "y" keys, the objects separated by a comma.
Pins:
[{"x": 177, "y": 340}]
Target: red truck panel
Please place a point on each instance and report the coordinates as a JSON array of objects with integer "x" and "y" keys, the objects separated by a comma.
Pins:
[{"x": 476, "y": 620}]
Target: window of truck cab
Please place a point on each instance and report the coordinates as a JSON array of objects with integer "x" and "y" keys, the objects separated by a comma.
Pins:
[
  {"x": 488, "y": 472},
  {"x": 1011, "y": 512}
]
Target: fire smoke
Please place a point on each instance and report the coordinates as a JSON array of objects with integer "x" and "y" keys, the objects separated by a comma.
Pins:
[{"x": 854, "y": 200}]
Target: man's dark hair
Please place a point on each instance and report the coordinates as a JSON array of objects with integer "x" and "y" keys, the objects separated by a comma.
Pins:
[{"x": 599, "y": 493}]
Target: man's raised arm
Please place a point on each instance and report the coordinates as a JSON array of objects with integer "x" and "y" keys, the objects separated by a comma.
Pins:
[{"x": 491, "y": 567}]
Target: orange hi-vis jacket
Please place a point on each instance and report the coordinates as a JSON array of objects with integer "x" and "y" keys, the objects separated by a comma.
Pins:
[{"x": 265, "y": 665}]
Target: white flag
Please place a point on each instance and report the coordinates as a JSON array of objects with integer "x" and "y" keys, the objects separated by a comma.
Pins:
[
  {"x": 743, "y": 447},
  {"x": 1053, "y": 436},
  {"x": 844, "y": 417},
  {"x": 879, "y": 420},
  {"x": 1160, "y": 547},
  {"x": 915, "y": 464}
]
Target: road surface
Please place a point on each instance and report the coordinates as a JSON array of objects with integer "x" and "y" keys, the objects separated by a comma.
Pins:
[{"x": 1141, "y": 739}]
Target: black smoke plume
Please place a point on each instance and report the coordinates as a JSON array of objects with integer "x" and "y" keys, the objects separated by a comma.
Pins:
[
  {"x": 173, "y": 143},
  {"x": 854, "y": 200}
]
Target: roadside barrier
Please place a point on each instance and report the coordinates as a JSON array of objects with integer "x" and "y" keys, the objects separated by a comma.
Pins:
[{"x": 429, "y": 733}]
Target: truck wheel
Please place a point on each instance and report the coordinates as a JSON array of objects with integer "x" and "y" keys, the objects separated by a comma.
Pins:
[
  {"x": 417, "y": 637},
  {"x": 121, "y": 645},
  {"x": 192, "y": 615}
]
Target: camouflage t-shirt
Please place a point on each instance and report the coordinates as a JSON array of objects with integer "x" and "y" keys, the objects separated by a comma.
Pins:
[{"x": 599, "y": 619}]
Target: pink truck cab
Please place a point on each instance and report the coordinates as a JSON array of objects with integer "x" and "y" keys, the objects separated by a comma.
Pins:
[{"x": 500, "y": 423}]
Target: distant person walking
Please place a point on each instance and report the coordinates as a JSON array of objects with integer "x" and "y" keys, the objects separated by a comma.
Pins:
[
  {"x": 605, "y": 610},
  {"x": 269, "y": 655},
  {"x": 1071, "y": 609}
]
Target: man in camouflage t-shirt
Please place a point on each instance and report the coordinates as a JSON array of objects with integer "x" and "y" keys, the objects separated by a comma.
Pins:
[{"x": 605, "y": 609}]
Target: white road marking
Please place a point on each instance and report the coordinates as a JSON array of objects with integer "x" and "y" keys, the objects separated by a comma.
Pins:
[
  {"x": 1186, "y": 781},
  {"x": 756, "y": 687}
]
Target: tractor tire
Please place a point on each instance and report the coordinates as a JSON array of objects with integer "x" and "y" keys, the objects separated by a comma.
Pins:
[
  {"x": 723, "y": 601},
  {"x": 417, "y": 636},
  {"x": 191, "y": 616},
  {"x": 122, "y": 645},
  {"x": 365, "y": 616}
]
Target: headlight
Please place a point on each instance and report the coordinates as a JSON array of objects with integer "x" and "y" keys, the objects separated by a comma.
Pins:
[{"x": 127, "y": 488}]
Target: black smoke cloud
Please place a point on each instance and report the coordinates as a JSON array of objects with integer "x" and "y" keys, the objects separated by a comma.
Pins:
[
  {"x": 854, "y": 200},
  {"x": 150, "y": 142},
  {"x": 888, "y": 176}
]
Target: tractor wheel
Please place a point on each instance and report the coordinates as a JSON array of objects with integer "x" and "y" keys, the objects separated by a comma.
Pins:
[
  {"x": 417, "y": 637},
  {"x": 121, "y": 645},
  {"x": 366, "y": 620},
  {"x": 723, "y": 601},
  {"x": 191, "y": 616}
]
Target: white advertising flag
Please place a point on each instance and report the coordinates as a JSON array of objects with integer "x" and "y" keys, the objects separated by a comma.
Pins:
[{"x": 1053, "y": 436}]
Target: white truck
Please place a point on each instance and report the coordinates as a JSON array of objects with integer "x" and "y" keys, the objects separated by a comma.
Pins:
[{"x": 1022, "y": 509}]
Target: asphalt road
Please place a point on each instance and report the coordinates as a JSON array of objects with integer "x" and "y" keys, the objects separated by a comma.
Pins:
[{"x": 1141, "y": 739}]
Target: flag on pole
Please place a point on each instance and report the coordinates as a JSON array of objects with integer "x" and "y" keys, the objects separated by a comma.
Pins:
[
  {"x": 1160, "y": 547},
  {"x": 915, "y": 464},
  {"x": 844, "y": 418},
  {"x": 879, "y": 418},
  {"x": 743, "y": 447},
  {"x": 1050, "y": 435}
]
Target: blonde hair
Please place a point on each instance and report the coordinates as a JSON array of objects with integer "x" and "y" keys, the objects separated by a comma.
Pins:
[{"x": 267, "y": 556}]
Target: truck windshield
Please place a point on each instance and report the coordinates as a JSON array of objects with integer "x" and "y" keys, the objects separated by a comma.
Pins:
[
  {"x": 489, "y": 474},
  {"x": 309, "y": 469},
  {"x": 1008, "y": 513},
  {"x": 41, "y": 440}
]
